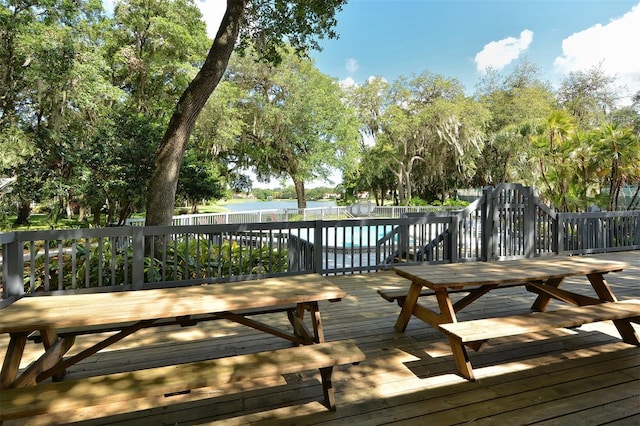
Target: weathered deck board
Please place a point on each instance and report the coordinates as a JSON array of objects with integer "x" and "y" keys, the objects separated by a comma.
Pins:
[{"x": 586, "y": 376}]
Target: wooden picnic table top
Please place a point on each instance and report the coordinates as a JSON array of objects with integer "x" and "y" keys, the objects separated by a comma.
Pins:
[
  {"x": 36, "y": 313},
  {"x": 457, "y": 275}
]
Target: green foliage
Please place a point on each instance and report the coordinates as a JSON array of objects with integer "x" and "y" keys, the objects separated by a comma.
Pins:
[
  {"x": 117, "y": 163},
  {"x": 155, "y": 49},
  {"x": 295, "y": 124},
  {"x": 450, "y": 202},
  {"x": 263, "y": 194},
  {"x": 107, "y": 266},
  {"x": 417, "y": 201},
  {"x": 299, "y": 24},
  {"x": 110, "y": 263},
  {"x": 86, "y": 98},
  {"x": 587, "y": 95},
  {"x": 199, "y": 259},
  {"x": 518, "y": 104},
  {"x": 199, "y": 180},
  {"x": 427, "y": 135}
]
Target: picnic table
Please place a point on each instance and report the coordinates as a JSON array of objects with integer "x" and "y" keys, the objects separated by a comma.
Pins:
[
  {"x": 542, "y": 276},
  {"x": 58, "y": 320}
]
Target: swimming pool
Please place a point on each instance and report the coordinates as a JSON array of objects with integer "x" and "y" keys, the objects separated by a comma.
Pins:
[{"x": 351, "y": 237}]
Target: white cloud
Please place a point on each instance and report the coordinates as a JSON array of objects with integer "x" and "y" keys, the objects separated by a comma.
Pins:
[
  {"x": 347, "y": 82},
  {"x": 498, "y": 54},
  {"x": 352, "y": 65},
  {"x": 613, "y": 45},
  {"x": 212, "y": 13}
]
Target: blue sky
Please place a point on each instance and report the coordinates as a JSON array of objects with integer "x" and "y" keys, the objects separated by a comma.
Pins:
[{"x": 460, "y": 38}]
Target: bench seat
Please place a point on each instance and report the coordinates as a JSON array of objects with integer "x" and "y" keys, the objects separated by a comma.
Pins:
[
  {"x": 169, "y": 380},
  {"x": 481, "y": 330}
]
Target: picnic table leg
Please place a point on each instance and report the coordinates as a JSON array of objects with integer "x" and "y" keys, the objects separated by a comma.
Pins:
[
  {"x": 296, "y": 318},
  {"x": 52, "y": 357},
  {"x": 327, "y": 388},
  {"x": 12, "y": 359},
  {"x": 447, "y": 316},
  {"x": 542, "y": 301},
  {"x": 604, "y": 292},
  {"x": 49, "y": 338},
  {"x": 408, "y": 306},
  {"x": 316, "y": 320}
]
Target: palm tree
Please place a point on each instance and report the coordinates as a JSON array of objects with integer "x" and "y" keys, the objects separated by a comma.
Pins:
[{"x": 618, "y": 150}]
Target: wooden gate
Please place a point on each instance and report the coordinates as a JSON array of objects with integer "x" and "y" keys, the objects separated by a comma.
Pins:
[{"x": 518, "y": 224}]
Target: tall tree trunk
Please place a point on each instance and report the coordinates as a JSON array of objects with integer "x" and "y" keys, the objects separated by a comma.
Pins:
[
  {"x": 96, "y": 210},
  {"x": 24, "y": 211},
  {"x": 300, "y": 195},
  {"x": 164, "y": 180}
]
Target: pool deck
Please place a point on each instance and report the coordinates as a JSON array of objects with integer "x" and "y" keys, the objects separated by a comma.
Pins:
[{"x": 583, "y": 376}]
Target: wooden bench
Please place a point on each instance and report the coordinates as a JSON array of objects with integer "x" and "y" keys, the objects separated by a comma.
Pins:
[
  {"x": 475, "y": 332},
  {"x": 175, "y": 379}
]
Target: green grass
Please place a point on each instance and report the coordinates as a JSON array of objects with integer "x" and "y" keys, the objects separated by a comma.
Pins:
[{"x": 38, "y": 222}]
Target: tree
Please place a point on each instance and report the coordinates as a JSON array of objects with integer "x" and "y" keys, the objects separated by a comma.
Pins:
[
  {"x": 199, "y": 181},
  {"x": 47, "y": 68},
  {"x": 154, "y": 49},
  {"x": 295, "y": 123},
  {"x": 518, "y": 104},
  {"x": 375, "y": 171},
  {"x": 436, "y": 131},
  {"x": 555, "y": 147},
  {"x": 618, "y": 148},
  {"x": 589, "y": 96},
  {"x": 374, "y": 175},
  {"x": 118, "y": 162},
  {"x": 269, "y": 24}
]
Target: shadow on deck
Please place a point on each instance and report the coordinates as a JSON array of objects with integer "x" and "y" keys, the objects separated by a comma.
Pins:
[{"x": 584, "y": 376}]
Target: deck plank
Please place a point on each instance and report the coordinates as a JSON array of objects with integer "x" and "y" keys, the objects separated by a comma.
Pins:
[{"x": 582, "y": 376}]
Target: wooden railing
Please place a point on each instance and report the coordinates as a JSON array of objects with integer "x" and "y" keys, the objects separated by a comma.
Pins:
[{"x": 139, "y": 257}]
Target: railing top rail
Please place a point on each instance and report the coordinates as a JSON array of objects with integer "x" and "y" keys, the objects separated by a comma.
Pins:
[
  {"x": 7, "y": 237},
  {"x": 597, "y": 215}
]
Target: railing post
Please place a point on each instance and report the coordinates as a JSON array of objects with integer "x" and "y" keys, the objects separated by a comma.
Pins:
[
  {"x": 487, "y": 224},
  {"x": 318, "y": 246},
  {"x": 454, "y": 238},
  {"x": 13, "y": 268},
  {"x": 137, "y": 268},
  {"x": 403, "y": 240},
  {"x": 558, "y": 235},
  {"x": 530, "y": 224}
]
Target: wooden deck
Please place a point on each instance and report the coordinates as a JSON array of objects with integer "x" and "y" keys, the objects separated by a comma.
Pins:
[{"x": 584, "y": 376}]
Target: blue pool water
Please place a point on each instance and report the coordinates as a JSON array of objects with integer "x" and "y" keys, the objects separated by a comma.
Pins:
[{"x": 349, "y": 237}]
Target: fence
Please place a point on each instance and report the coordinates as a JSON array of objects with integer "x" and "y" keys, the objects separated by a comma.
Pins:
[
  {"x": 361, "y": 209},
  {"x": 506, "y": 222}
]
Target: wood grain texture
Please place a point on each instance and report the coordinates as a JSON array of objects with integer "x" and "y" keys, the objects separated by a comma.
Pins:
[
  {"x": 492, "y": 328},
  {"x": 120, "y": 387},
  {"x": 585, "y": 376},
  {"x": 480, "y": 273},
  {"x": 33, "y": 313}
]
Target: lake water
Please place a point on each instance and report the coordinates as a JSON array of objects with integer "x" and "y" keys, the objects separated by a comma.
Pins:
[{"x": 249, "y": 206}]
